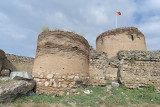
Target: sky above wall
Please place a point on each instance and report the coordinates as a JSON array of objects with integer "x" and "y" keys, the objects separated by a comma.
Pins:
[{"x": 21, "y": 20}]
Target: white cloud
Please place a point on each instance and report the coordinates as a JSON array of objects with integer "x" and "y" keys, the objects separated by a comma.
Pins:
[{"x": 99, "y": 14}]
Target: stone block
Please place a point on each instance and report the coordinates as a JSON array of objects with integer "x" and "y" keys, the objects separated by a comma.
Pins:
[
  {"x": 46, "y": 83},
  {"x": 115, "y": 84},
  {"x": 11, "y": 90},
  {"x": 21, "y": 75},
  {"x": 49, "y": 76}
]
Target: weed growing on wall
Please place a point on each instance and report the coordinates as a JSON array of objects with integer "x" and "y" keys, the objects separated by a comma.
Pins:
[
  {"x": 132, "y": 59},
  {"x": 45, "y": 29}
]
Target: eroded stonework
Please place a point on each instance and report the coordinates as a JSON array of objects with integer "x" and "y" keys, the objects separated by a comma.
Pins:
[
  {"x": 62, "y": 59},
  {"x": 97, "y": 67},
  {"x": 18, "y": 63},
  {"x": 2, "y": 57},
  {"x": 140, "y": 69}
]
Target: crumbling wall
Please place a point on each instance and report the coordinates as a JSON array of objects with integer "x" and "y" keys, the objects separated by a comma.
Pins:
[
  {"x": 62, "y": 60},
  {"x": 139, "y": 69},
  {"x": 112, "y": 69},
  {"x": 2, "y": 57},
  {"x": 97, "y": 67},
  {"x": 18, "y": 63}
]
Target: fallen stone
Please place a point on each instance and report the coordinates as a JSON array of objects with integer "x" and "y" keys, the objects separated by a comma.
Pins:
[
  {"x": 87, "y": 92},
  {"x": 72, "y": 91},
  {"x": 115, "y": 84},
  {"x": 12, "y": 89},
  {"x": 5, "y": 72},
  {"x": 60, "y": 93},
  {"x": 21, "y": 75}
]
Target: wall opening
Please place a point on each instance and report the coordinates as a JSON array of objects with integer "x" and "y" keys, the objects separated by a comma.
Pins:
[{"x": 132, "y": 37}]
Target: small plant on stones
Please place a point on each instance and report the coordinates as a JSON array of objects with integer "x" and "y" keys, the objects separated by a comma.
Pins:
[
  {"x": 132, "y": 59},
  {"x": 45, "y": 29}
]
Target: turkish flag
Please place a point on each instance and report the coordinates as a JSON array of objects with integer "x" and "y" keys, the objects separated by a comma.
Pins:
[{"x": 118, "y": 13}]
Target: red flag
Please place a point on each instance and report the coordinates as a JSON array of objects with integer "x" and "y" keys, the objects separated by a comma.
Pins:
[{"x": 118, "y": 13}]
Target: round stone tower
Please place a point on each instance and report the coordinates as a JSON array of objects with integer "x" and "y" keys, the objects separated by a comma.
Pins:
[
  {"x": 112, "y": 41},
  {"x": 62, "y": 58}
]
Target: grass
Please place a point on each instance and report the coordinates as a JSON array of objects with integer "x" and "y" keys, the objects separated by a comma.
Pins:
[
  {"x": 1, "y": 81},
  {"x": 99, "y": 96}
]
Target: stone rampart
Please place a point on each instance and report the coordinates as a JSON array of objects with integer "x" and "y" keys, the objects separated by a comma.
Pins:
[
  {"x": 112, "y": 69},
  {"x": 18, "y": 63},
  {"x": 2, "y": 57},
  {"x": 97, "y": 67},
  {"x": 139, "y": 69}
]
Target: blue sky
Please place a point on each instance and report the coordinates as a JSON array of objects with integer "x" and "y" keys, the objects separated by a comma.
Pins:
[{"x": 21, "y": 20}]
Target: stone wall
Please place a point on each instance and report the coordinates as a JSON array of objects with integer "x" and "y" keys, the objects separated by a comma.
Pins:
[
  {"x": 139, "y": 69},
  {"x": 112, "y": 69},
  {"x": 97, "y": 67},
  {"x": 18, "y": 63},
  {"x": 2, "y": 57},
  {"x": 57, "y": 83}
]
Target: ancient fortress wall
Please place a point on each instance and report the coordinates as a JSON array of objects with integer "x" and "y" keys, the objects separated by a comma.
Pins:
[
  {"x": 112, "y": 69},
  {"x": 139, "y": 69},
  {"x": 64, "y": 60},
  {"x": 120, "y": 39},
  {"x": 115, "y": 40},
  {"x": 98, "y": 63},
  {"x": 62, "y": 55},
  {"x": 2, "y": 57},
  {"x": 18, "y": 63}
]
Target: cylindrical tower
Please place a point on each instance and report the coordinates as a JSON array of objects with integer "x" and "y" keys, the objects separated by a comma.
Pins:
[
  {"x": 61, "y": 57},
  {"x": 112, "y": 41}
]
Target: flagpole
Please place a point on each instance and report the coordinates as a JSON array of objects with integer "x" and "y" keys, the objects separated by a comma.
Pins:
[{"x": 116, "y": 21}]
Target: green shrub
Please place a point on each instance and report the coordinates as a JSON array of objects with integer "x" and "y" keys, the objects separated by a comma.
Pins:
[
  {"x": 45, "y": 29},
  {"x": 132, "y": 59}
]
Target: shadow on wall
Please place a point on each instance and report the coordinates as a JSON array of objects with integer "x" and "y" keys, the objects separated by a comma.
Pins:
[{"x": 8, "y": 65}]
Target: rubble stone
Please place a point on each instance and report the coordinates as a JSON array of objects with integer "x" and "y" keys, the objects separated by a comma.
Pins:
[
  {"x": 10, "y": 90},
  {"x": 139, "y": 69}
]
